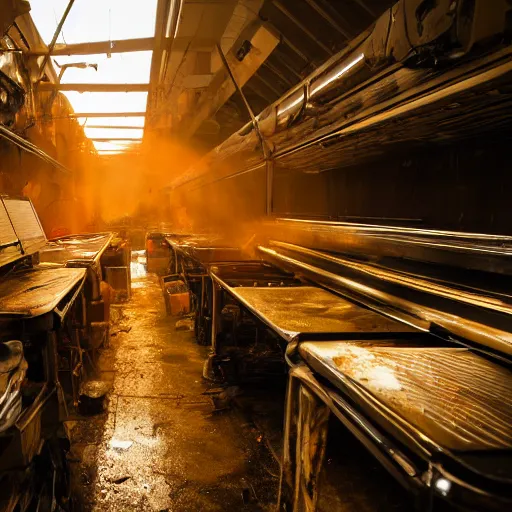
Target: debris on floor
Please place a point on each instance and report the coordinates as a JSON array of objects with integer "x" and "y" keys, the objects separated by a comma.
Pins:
[
  {"x": 157, "y": 446},
  {"x": 92, "y": 396},
  {"x": 121, "y": 479},
  {"x": 121, "y": 329},
  {"x": 224, "y": 399},
  {"x": 117, "y": 444},
  {"x": 185, "y": 324}
]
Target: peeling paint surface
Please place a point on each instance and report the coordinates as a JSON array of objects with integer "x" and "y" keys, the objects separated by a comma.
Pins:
[{"x": 452, "y": 396}]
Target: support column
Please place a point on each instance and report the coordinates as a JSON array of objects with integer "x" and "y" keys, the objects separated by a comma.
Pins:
[{"x": 208, "y": 369}]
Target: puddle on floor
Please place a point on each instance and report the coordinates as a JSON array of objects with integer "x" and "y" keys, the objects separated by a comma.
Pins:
[{"x": 160, "y": 445}]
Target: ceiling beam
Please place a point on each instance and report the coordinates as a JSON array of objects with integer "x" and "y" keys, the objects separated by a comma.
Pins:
[
  {"x": 53, "y": 42},
  {"x": 104, "y": 114},
  {"x": 163, "y": 8},
  {"x": 269, "y": 86},
  {"x": 113, "y": 127},
  {"x": 282, "y": 76},
  {"x": 283, "y": 62},
  {"x": 45, "y": 86},
  {"x": 294, "y": 49},
  {"x": 364, "y": 5},
  {"x": 327, "y": 17},
  {"x": 100, "y": 47},
  {"x": 259, "y": 92},
  {"x": 124, "y": 46},
  {"x": 114, "y": 139},
  {"x": 221, "y": 88},
  {"x": 301, "y": 26}
]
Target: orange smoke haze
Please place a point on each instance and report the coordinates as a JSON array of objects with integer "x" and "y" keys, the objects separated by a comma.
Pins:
[
  {"x": 132, "y": 184},
  {"x": 138, "y": 186},
  {"x": 134, "y": 189}
]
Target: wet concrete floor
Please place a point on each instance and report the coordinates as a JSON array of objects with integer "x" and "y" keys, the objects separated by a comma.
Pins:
[{"x": 161, "y": 445}]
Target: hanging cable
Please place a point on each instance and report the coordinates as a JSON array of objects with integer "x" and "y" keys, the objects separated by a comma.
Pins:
[{"x": 266, "y": 152}]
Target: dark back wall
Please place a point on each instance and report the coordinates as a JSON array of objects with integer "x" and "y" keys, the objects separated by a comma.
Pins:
[{"x": 464, "y": 187}]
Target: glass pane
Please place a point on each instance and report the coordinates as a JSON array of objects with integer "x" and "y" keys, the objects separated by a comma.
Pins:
[
  {"x": 95, "y": 20},
  {"x": 136, "y": 122},
  {"x": 120, "y": 68},
  {"x": 114, "y": 146},
  {"x": 118, "y": 133},
  {"x": 108, "y": 101}
]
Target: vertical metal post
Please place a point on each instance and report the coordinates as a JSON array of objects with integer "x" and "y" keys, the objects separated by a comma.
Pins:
[
  {"x": 76, "y": 365},
  {"x": 208, "y": 368},
  {"x": 266, "y": 151},
  {"x": 176, "y": 263},
  {"x": 52, "y": 364},
  {"x": 285, "y": 498},
  {"x": 53, "y": 369},
  {"x": 305, "y": 441},
  {"x": 203, "y": 291},
  {"x": 216, "y": 304},
  {"x": 310, "y": 452}
]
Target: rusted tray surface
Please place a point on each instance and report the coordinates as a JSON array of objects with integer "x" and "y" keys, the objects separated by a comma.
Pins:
[
  {"x": 300, "y": 310},
  {"x": 456, "y": 399},
  {"x": 75, "y": 247},
  {"x": 26, "y": 222},
  {"x": 9, "y": 248},
  {"x": 7, "y": 233},
  {"x": 35, "y": 292},
  {"x": 21, "y": 233}
]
